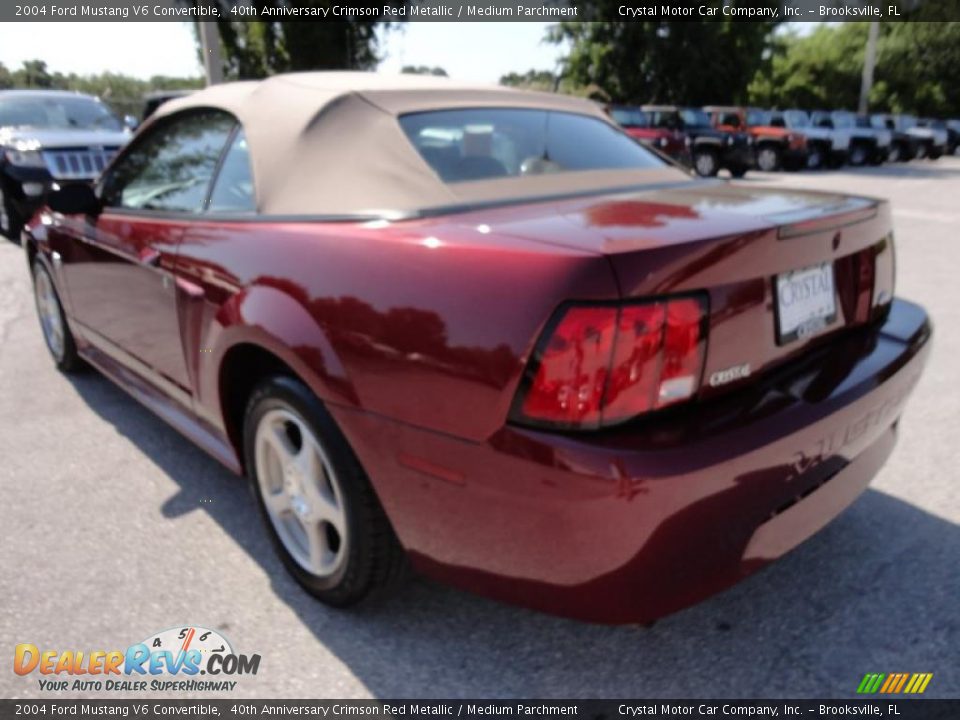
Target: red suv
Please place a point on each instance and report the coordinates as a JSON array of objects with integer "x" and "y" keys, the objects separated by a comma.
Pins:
[{"x": 636, "y": 123}]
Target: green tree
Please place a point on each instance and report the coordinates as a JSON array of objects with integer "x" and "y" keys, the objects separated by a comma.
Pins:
[
  {"x": 122, "y": 92},
  {"x": 917, "y": 70},
  {"x": 664, "y": 61},
  {"x": 258, "y": 48},
  {"x": 423, "y": 70},
  {"x": 34, "y": 74},
  {"x": 530, "y": 80},
  {"x": 6, "y": 77},
  {"x": 821, "y": 70}
]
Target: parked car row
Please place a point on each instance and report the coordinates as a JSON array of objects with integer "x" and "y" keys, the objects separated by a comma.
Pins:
[
  {"x": 53, "y": 137},
  {"x": 735, "y": 138}
]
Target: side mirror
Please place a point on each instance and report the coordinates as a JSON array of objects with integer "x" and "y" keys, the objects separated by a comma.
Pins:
[
  {"x": 76, "y": 199},
  {"x": 130, "y": 122}
]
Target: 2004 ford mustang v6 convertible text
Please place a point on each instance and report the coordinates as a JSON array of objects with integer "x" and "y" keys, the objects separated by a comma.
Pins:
[{"x": 486, "y": 331}]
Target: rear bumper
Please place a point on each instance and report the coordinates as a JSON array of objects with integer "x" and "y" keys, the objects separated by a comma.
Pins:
[{"x": 634, "y": 523}]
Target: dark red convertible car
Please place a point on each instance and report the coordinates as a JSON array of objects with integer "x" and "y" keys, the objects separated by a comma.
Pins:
[{"x": 485, "y": 331}]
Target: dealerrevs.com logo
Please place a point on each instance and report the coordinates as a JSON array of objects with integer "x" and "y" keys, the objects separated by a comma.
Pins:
[{"x": 183, "y": 659}]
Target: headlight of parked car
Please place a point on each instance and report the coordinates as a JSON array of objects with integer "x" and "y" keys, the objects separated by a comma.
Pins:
[{"x": 25, "y": 158}]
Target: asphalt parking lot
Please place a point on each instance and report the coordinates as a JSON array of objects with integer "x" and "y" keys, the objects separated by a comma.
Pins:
[{"x": 113, "y": 527}]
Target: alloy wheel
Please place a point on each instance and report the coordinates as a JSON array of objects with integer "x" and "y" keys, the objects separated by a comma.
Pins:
[
  {"x": 48, "y": 308},
  {"x": 301, "y": 492},
  {"x": 767, "y": 159},
  {"x": 705, "y": 164}
]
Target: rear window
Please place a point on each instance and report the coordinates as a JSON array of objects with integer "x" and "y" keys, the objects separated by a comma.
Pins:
[{"x": 483, "y": 144}]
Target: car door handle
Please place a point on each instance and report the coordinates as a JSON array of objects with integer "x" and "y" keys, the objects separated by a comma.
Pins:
[{"x": 149, "y": 256}]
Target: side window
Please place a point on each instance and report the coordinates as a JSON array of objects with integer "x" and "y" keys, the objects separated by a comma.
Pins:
[
  {"x": 233, "y": 188},
  {"x": 170, "y": 168}
]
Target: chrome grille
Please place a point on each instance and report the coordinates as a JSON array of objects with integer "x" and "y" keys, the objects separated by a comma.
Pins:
[{"x": 78, "y": 163}]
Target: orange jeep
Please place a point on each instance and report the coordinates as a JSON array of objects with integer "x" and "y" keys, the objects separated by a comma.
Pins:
[{"x": 776, "y": 147}]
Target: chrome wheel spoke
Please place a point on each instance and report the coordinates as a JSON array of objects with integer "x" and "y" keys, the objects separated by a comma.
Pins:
[
  {"x": 318, "y": 548},
  {"x": 280, "y": 443},
  {"x": 278, "y": 502},
  {"x": 319, "y": 490}
]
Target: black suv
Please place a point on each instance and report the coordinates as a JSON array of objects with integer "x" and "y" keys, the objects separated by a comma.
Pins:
[
  {"x": 710, "y": 149},
  {"x": 47, "y": 137}
]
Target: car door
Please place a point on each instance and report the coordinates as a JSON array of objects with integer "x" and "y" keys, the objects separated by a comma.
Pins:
[{"x": 119, "y": 265}]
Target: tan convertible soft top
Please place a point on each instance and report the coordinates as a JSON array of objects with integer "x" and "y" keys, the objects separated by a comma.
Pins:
[{"x": 328, "y": 143}]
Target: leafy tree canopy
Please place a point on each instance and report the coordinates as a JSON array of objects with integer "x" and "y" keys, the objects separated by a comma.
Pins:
[
  {"x": 664, "y": 61},
  {"x": 917, "y": 69},
  {"x": 423, "y": 70},
  {"x": 123, "y": 92},
  {"x": 258, "y": 48}
]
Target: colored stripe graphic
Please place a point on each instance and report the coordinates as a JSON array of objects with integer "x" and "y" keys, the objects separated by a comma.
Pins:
[
  {"x": 903, "y": 681},
  {"x": 918, "y": 683},
  {"x": 893, "y": 683}
]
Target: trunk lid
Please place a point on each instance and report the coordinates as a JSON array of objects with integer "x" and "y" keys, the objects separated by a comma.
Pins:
[{"x": 731, "y": 243}]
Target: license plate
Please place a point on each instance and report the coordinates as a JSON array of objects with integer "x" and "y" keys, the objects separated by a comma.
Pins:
[{"x": 806, "y": 302}]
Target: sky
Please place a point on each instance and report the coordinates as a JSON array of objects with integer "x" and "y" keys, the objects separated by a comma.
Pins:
[{"x": 476, "y": 52}]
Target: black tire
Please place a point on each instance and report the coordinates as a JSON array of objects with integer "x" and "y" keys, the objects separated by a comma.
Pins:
[
  {"x": 935, "y": 154},
  {"x": 859, "y": 154},
  {"x": 65, "y": 354},
  {"x": 373, "y": 558},
  {"x": 769, "y": 158},
  {"x": 836, "y": 160},
  {"x": 738, "y": 171},
  {"x": 10, "y": 221},
  {"x": 815, "y": 158},
  {"x": 706, "y": 162}
]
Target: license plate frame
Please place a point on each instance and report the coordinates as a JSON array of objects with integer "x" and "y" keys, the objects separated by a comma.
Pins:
[{"x": 809, "y": 314}]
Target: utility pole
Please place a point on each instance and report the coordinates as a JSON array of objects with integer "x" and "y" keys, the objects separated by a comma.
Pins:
[
  {"x": 210, "y": 46},
  {"x": 869, "y": 61}
]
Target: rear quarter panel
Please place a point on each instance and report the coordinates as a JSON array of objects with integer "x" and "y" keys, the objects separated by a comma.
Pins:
[{"x": 429, "y": 323}]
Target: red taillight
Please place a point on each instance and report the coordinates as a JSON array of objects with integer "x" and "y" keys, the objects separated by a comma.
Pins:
[
  {"x": 602, "y": 365},
  {"x": 572, "y": 368},
  {"x": 682, "y": 351}
]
